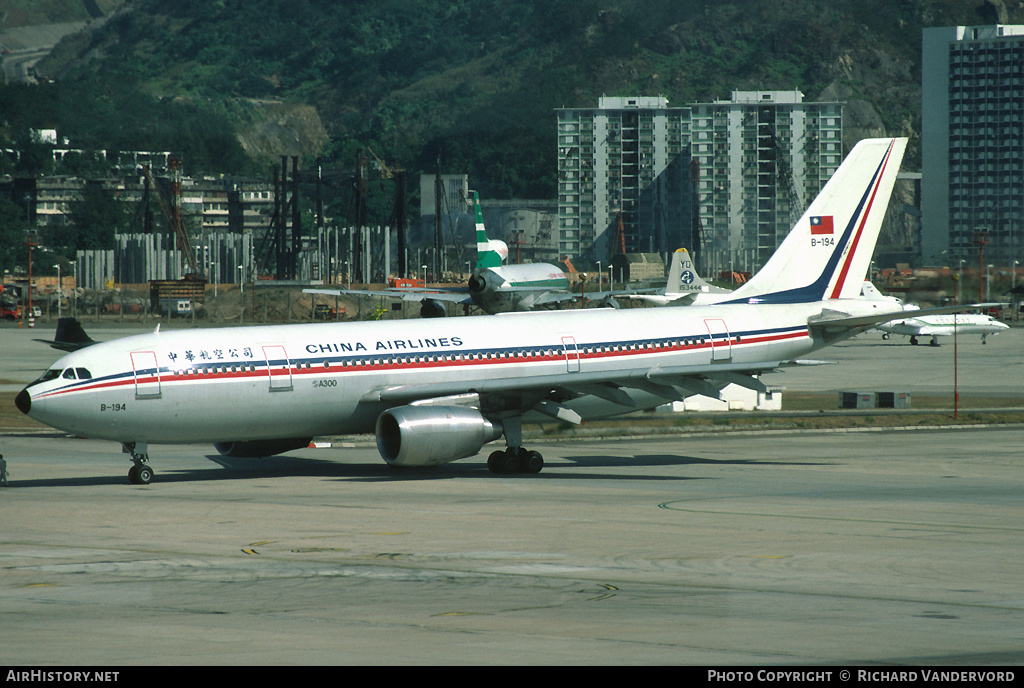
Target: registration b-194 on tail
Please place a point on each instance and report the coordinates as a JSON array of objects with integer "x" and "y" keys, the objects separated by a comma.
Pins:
[{"x": 438, "y": 390}]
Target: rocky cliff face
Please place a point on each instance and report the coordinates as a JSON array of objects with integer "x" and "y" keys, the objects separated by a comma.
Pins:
[{"x": 274, "y": 129}]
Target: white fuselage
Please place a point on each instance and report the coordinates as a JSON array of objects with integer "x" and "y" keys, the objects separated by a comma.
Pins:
[
  {"x": 252, "y": 383},
  {"x": 517, "y": 288},
  {"x": 944, "y": 325}
]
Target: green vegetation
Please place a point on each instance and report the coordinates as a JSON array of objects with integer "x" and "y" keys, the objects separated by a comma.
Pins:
[
  {"x": 230, "y": 86},
  {"x": 476, "y": 80}
]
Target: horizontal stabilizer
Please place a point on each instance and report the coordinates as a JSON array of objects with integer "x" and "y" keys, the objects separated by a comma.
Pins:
[{"x": 70, "y": 336}]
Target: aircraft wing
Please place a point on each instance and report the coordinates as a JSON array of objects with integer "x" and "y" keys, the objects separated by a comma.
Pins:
[
  {"x": 554, "y": 398},
  {"x": 451, "y": 295},
  {"x": 926, "y": 330},
  {"x": 834, "y": 323},
  {"x": 644, "y": 294},
  {"x": 548, "y": 297},
  {"x": 662, "y": 300}
]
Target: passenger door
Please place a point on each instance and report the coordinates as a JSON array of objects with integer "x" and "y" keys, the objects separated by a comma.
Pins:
[
  {"x": 278, "y": 367},
  {"x": 572, "y": 354},
  {"x": 721, "y": 345},
  {"x": 147, "y": 374}
]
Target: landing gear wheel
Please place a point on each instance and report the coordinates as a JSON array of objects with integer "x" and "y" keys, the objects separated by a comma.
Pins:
[
  {"x": 509, "y": 464},
  {"x": 496, "y": 461},
  {"x": 531, "y": 462},
  {"x": 140, "y": 474}
]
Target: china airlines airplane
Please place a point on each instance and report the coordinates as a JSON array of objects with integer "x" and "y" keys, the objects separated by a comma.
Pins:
[{"x": 438, "y": 390}]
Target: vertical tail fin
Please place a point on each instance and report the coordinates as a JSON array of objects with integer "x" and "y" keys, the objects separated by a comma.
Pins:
[
  {"x": 489, "y": 253},
  {"x": 870, "y": 292},
  {"x": 682, "y": 275},
  {"x": 827, "y": 253}
]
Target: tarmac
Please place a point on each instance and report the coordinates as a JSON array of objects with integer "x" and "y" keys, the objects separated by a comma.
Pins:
[{"x": 884, "y": 548}]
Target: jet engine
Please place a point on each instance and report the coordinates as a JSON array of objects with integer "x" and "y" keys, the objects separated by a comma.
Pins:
[
  {"x": 432, "y": 435},
  {"x": 259, "y": 448},
  {"x": 432, "y": 308},
  {"x": 484, "y": 281}
]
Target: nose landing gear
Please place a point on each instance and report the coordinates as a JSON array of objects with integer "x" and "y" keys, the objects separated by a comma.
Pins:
[{"x": 140, "y": 473}]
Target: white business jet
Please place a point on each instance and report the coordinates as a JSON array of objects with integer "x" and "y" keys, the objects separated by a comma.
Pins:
[
  {"x": 438, "y": 390},
  {"x": 916, "y": 325}
]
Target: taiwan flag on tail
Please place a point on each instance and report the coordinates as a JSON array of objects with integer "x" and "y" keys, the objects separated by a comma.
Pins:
[{"x": 821, "y": 224}]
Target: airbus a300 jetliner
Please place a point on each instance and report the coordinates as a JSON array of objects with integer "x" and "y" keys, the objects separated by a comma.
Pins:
[{"x": 437, "y": 390}]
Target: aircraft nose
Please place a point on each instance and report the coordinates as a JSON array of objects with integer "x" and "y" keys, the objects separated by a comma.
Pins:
[{"x": 23, "y": 401}]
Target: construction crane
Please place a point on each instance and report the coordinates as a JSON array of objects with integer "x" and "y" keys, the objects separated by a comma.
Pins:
[
  {"x": 385, "y": 171},
  {"x": 398, "y": 218},
  {"x": 172, "y": 211}
]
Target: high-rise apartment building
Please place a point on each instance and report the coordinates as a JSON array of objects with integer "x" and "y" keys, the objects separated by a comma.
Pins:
[
  {"x": 738, "y": 172},
  {"x": 763, "y": 156},
  {"x": 972, "y": 143},
  {"x": 622, "y": 178}
]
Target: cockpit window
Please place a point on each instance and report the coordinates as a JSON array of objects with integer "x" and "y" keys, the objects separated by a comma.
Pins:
[
  {"x": 83, "y": 373},
  {"x": 51, "y": 374},
  {"x": 69, "y": 374}
]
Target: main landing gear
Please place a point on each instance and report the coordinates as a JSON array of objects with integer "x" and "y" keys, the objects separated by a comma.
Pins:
[
  {"x": 140, "y": 473},
  {"x": 515, "y": 458}
]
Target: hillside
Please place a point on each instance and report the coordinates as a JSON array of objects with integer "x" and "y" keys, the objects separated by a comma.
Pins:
[{"x": 478, "y": 80}]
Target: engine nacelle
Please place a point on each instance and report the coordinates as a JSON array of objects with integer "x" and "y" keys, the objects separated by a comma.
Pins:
[
  {"x": 259, "y": 448},
  {"x": 432, "y": 308},
  {"x": 432, "y": 435},
  {"x": 484, "y": 282}
]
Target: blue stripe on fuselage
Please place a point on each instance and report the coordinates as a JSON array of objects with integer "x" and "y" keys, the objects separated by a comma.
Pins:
[
  {"x": 816, "y": 290},
  {"x": 593, "y": 351}
]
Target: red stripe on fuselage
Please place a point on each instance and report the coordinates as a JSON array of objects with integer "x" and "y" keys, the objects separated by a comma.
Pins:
[
  {"x": 189, "y": 375},
  {"x": 838, "y": 288}
]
